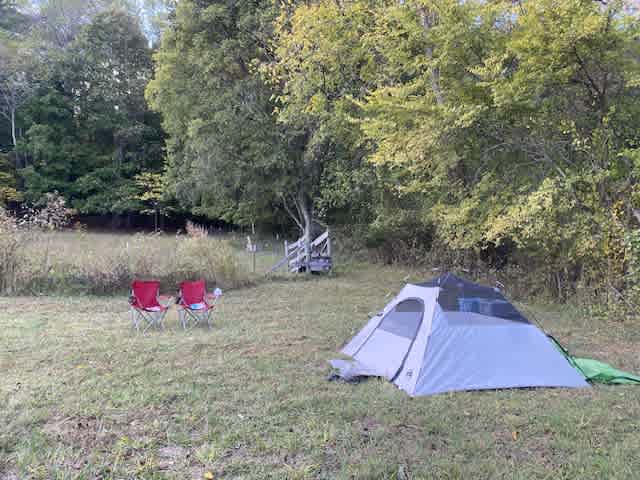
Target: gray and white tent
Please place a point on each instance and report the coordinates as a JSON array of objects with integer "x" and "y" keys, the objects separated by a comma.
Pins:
[{"x": 449, "y": 334}]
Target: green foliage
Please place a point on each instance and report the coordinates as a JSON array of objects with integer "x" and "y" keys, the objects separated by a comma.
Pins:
[
  {"x": 11, "y": 19},
  {"x": 223, "y": 141},
  {"x": 399, "y": 236},
  {"x": 240, "y": 109},
  {"x": 477, "y": 125},
  {"x": 512, "y": 125},
  {"x": 8, "y": 183},
  {"x": 320, "y": 69},
  {"x": 474, "y": 126},
  {"x": 633, "y": 275},
  {"x": 90, "y": 132}
]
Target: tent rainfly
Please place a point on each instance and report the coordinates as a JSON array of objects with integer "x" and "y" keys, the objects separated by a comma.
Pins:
[{"x": 449, "y": 334}]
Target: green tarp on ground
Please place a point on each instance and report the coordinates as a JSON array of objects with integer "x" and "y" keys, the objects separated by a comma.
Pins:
[{"x": 598, "y": 372}]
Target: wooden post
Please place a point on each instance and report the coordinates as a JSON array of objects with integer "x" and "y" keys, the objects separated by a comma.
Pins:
[
  {"x": 155, "y": 217},
  {"x": 254, "y": 258},
  {"x": 286, "y": 252},
  {"x": 251, "y": 248}
]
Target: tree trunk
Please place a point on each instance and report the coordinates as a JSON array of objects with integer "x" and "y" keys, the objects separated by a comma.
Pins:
[
  {"x": 303, "y": 217},
  {"x": 304, "y": 207},
  {"x": 14, "y": 136},
  {"x": 428, "y": 20},
  {"x": 14, "y": 139}
]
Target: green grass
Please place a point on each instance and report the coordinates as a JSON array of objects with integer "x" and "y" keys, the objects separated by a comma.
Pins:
[{"x": 81, "y": 396}]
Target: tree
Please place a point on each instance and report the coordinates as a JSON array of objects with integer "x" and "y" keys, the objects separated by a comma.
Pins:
[
  {"x": 8, "y": 184},
  {"x": 11, "y": 18},
  {"x": 524, "y": 137},
  {"x": 16, "y": 83},
  {"x": 155, "y": 14},
  {"x": 91, "y": 132},
  {"x": 247, "y": 132},
  {"x": 152, "y": 188},
  {"x": 320, "y": 69},
  {"x": 225, "y": 152}
]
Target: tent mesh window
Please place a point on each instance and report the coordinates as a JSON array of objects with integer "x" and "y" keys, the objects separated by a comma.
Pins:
[
  {"x": 405, "y": 318},
  {"x": 458, "y": 295}
]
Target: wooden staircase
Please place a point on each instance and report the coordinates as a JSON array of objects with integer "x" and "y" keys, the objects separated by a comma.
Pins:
[{"x": 298, "y": 259}]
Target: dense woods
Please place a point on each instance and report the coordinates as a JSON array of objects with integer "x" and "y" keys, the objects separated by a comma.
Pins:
[{"x": 502, "y": 134}]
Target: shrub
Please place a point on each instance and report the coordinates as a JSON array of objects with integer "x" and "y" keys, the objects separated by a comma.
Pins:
[
  {"x": 196, "y": 231},
  {"x": 210, "y": 258},
  {"x": 399, "y": 236},
  {"x": 53, "y": 215}
]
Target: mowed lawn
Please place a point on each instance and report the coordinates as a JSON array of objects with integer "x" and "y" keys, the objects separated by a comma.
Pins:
[{"x": 82, "y": 396}]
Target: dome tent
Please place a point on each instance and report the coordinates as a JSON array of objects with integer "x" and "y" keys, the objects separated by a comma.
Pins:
[{"x": 449, "y": 334}]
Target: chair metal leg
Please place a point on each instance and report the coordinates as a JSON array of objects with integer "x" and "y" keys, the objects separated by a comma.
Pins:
[{"x": 136, "y": 318}]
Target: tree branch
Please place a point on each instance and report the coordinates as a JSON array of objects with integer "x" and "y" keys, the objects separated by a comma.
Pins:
[{"x": 285, "y": 204}]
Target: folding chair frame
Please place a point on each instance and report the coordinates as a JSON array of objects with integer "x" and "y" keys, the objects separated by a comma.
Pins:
[
  {"x": 150, "y": 318},
  {"x": 195, "y": 316},
  {"x": 147, "y": 310}
]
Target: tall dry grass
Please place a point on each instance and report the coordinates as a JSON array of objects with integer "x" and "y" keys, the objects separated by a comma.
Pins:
[
  {"x": 12, "y": 241},
  {"x": 33, "y": 261}
]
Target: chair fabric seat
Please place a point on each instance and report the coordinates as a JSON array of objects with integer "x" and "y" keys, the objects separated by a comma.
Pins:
[{"x": 145, "y": 304}]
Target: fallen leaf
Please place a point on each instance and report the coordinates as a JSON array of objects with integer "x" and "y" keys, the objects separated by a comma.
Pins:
[{"x": 514, "y": 435}]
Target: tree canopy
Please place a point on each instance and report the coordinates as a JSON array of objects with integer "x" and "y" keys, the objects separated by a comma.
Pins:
[{"x": 467, "y": 128}]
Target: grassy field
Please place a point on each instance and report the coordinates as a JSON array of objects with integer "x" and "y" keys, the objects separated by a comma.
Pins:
[{"x": 82, "y": 396}]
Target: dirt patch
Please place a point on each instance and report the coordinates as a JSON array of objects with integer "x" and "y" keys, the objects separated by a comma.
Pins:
[
  {"x": 86, "y": 433},
  {"x": 171, "y": 455},
  {"x": 514, "y": 445},
  {"x": 10, "y": 475}
]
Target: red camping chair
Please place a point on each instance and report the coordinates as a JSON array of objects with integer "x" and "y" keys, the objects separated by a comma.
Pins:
[
  {"x": 194, "y": 305},
  {"x": 145, "y": 304}
]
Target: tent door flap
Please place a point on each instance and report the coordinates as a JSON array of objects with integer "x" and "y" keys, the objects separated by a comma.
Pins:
[{"x": 387, "y": 348}]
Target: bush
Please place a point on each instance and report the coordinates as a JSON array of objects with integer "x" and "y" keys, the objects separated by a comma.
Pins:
[
  {"x": 209, "y": 258},
  {"x": 53, "y": 215},
  {"x": 399, "y": 237}
]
